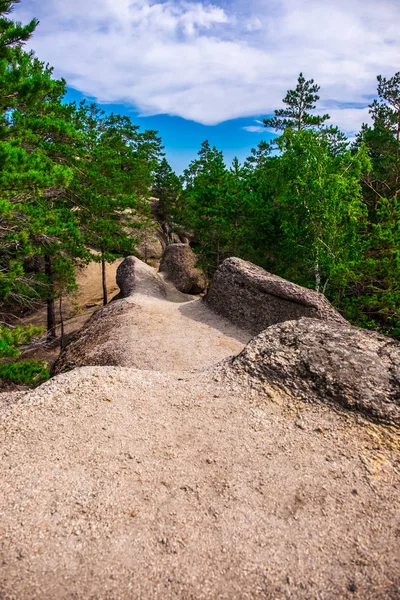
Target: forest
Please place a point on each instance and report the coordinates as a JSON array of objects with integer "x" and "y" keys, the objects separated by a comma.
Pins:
[{"x": 312, "y": 206}]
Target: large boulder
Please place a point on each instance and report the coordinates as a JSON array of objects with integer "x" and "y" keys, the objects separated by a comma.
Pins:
[
  {"x": 254, "y": 299},
  {"x": 135, "y": 277},
  {"x": 151, "y": 243},
  {"x": 179, "y": 266},
  {"x": 327, "y": 361}
]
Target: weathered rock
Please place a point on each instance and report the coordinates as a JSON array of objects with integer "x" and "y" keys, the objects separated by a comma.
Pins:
[
  {"x": 93, "y": 344},
  {"x": 135, "y": 277},
  {"x": 328, "y": 361},
  {"x": 254, "y": 299},
  {"x": 150, "y": 244},
  {"x": 179, "y": 265}
]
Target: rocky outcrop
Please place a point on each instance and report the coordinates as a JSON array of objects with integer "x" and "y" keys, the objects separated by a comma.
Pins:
[
  {"x": 95, "y": 343},
  {"x": 254, "y": 299},
  {"x": 179, "y": 266},
  {"x": 102, "y": 340},
  {"x": 328, "y": 362},
  {"x": 150, "y": 244},
  {"x": 150, "y": 248},
  {"x": 135, "y": 277}
]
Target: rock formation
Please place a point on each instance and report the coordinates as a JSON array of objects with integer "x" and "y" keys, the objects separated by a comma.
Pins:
[
  {"x": 328, "y": 362},
  {"x": 179, "y": 265},
  {"x": 135, "y": 277},
  {"x": 170, "y": 476},
  {"x": 147, "y": 327},
  {"x": 254, "y": 299},
  {"x": 150, "y": 246},
  {"x": 96, "y": 343}
]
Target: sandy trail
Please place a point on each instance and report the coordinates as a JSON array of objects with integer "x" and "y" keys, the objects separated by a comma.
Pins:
[{"x": 170, "y": 336}]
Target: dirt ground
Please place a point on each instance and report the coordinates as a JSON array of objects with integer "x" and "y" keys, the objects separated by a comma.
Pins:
[
  {"x": 76, "y": 309},
  {"x": 179, "y": 481}
]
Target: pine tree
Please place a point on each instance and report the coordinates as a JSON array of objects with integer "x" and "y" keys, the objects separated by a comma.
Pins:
[
  {"x": 167, "y": 187},
  {"x": 375, "y": 301},
  {"x": 298, "y": 102},
  {"x": 240, "y": 212},
  {"x": 36, "y": 135},
  {"x": 202, "y": 204},
  {"x": 117, "y": 165}
]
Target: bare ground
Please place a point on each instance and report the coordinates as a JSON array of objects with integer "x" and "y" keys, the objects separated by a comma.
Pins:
[
  {"x": 166, "y": 483},
  {"x": 76, "y": 309}
]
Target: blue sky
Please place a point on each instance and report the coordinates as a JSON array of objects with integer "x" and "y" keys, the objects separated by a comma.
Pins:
[
  {"x": 182, "y": 138},
  {"x": 198, "y": 70}
]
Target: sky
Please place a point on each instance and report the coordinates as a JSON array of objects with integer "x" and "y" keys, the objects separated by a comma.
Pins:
[{"x": 196, "y": 70}]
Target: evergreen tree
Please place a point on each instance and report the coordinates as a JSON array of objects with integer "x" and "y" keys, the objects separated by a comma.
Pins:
[
  {"x": 375, "y": 300},
  {"x": 35, "y": 139},
  {"x": 167, "y": 187},
  {"x": 117, "y": 165},
  {"x": 202, "y": 204},
  {"x": 298, "y": 102},
  {"x": 241, "y": 213}
]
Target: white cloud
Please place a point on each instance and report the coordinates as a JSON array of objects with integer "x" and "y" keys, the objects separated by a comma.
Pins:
[
  {"x": 345, "y": 118},
  {"x": 253, "y": 129},
  {"x": 254, "y": 24},
  {"x": 207, "y": 63}
]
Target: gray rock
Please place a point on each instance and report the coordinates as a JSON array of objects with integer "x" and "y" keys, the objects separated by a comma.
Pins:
[
  {"x": 93, "y": 345},
  {"x": 179, "y": 266},
  {"x": 135, "y": 277},
  {"x": 151, "y": 246},
  {"x": 254, "y": 299},
  {"x": 151, "y": 241},
  {"x": 328, "y": 361}
]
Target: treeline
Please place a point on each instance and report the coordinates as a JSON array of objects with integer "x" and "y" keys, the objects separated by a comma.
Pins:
[
  {"x": 73, "y": 186},
  {"x": 311, "y": 206}
]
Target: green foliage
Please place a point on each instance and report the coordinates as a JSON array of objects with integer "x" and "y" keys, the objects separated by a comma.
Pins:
[
  {"x": 72, "y": 180},
  {"x": 375, "y": 299},
  {"x": 298, "y": 102},
  {"x": 318, "y": 209},
  {"x": 27, "y": 372},
  {"x": 12, "y": 338},
  {"x": 214, "y": 205},
  {"x": 24, "y": 372},
  {"x": 309, "y": 207},
  {"x": 116, "y": 166},
  {"x": 167, "y": 188}
]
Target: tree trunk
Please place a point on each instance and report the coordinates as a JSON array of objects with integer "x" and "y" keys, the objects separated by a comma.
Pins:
[
  {"x": 218, "y": 250},
  {"x": 62, "y": 339},
  {"x": 317, "y": 274},
  {"x": 104, "y": 280},
  {"x": 51, "y": 310}
]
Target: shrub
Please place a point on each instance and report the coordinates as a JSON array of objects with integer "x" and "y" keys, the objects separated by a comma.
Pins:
[{"x": 26, "y": 372}]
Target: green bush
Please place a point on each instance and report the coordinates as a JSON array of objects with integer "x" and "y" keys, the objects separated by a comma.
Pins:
[{"x": 26, "y": 372}]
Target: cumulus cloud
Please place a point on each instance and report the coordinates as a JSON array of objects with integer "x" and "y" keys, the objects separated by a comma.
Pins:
[{"x": 213, "y": 62}]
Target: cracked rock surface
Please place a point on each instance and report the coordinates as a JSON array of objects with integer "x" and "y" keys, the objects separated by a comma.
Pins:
[
  {"x": 254, "y": 299},
  {"x": 323, "y": 360}
]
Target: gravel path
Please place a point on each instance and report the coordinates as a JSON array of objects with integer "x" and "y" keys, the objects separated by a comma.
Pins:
[
  {"x": 167, "y": 336},
  {"x": 162, "y": 483}
]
